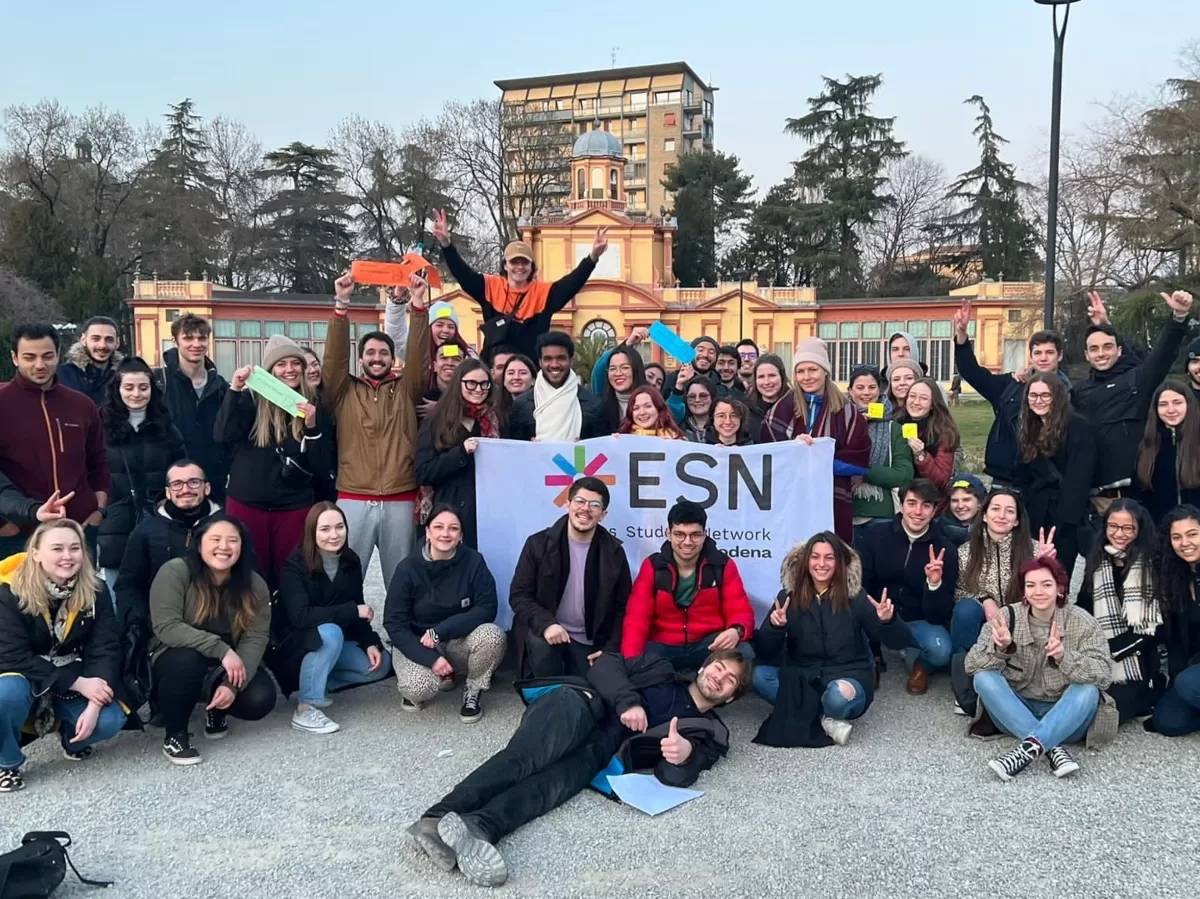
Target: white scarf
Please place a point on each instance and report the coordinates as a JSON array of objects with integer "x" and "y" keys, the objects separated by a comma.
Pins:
[
  {"x": 556, "y": 410},
  {"x": 1118, "y": 613}
]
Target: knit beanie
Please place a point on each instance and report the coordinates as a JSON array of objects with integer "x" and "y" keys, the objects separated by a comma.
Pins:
[
  {"x": 280, "y": 347},
  {"x": 705, "y": 339},
  {"x": 442, "y": 309},
  {"x": 812, "y": 349},
  {"x": 914, "y": 367},
  {"x": 1194, "y": 349}
]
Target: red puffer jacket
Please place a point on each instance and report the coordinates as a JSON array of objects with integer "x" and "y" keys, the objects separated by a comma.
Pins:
[{"x": 653, "y": 615}]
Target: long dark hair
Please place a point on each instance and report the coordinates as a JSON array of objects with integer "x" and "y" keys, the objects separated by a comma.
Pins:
[
  {"x": 804, "y": 592},
  {"x": 114, "y": 414},
  {"x": 1174, "y": 575},
  {"x": 977, "y": 542},
  {"x": 503, "y": 400},
  {"x": 753, "y": 398},
  {"x": 235, "y": 598},
  {"x": 1140, "y": 550},
  {"x": 938, "y": 426},
  {"x": 611, "y": 405},
  {"x": 1038, "y": 436},
  {"x": 451, "y": 409},
  {"x": 1188, "y": 461},
  {"x": 309, "y": 550}
]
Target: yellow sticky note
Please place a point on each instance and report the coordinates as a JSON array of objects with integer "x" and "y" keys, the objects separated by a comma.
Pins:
[
  {"x": 875, "y": 411},
  {"x": 444, "y": 312},
  {"x": 451, "y": 350},
  {"x": 909, "y": 431}
]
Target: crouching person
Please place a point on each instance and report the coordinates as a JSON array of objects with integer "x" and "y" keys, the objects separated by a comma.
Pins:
[
  {"x": 440, "y": 613},
  {"x": 211, "y": 615},
  {"x": 817, "y": 625},
  {"x": 1040, "y": 668},
  {"x": 639, "y": 709},
  {"x": 59, "y": 659}
]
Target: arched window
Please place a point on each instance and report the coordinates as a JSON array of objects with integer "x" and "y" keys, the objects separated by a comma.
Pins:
[
  {"x": 612, "y": 184},
  {"x": 598, "y": 327},
  {"x": 581, "y": 185},
  {"x": 597, "y": 183}
]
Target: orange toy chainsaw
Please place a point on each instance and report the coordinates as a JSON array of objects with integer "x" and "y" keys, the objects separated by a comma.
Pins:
[{"x": 394, "y": 274}]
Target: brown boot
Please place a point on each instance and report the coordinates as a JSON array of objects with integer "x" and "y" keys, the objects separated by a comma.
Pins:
[{"x": 918, "y": 680}]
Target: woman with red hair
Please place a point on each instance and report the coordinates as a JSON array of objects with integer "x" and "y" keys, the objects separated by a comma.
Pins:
[
  {"x": 647, "y": 415},
  {"x": 1040, "y": 667}
]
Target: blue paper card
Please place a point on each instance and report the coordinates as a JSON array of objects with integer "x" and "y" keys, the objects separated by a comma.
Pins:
[
  {"x": 672, "y": 344},
  {"x": 646, "y": 793}
]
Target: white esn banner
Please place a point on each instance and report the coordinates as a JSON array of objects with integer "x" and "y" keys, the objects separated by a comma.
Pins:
[{"x": 761, "y": 500}]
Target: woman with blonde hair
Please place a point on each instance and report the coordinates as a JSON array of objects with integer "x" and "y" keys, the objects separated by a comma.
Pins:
[
  {"x": 59, "y": 659},
  {"x": 274, "y": 456}
]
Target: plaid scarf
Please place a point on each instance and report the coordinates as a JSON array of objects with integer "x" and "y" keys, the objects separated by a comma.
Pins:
[{"x": 1123, "y": 611}]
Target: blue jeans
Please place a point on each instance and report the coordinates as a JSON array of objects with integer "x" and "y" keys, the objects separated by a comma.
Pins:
[
  {"x": 1050, "y": 723},
  {"x": 16, "y": 702},
  {"x": 930, "y": 646},
  {"x": 335, "y": 665},
  {"x": 1178, "y": 711},
  {"x": 833, "y": 703},
  {"x": 965, "y": 624}
]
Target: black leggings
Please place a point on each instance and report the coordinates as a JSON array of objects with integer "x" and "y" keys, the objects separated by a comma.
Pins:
[{"x": 179, "y": 676}]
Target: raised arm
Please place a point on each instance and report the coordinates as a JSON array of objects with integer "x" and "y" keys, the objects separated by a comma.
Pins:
[
  {"x": 468, "y": 279},
  {"x": 335, "y": 365},
  {"x": 564, "y": 289},
  {"x": 988, "y": 385},
  {"x": 395, "y": 324},
  {"x": 1157, "y": 364}
]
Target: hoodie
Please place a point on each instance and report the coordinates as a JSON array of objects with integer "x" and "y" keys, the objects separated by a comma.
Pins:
[
  {"x": 195, "y": 416},
  {"x": 79, "y": 372}
]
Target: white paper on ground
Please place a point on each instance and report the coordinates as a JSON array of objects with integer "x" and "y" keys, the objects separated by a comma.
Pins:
[{"x": 646, "y": 793}]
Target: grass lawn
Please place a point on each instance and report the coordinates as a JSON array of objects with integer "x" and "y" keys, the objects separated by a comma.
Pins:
[{"x": 974, "y": 421}]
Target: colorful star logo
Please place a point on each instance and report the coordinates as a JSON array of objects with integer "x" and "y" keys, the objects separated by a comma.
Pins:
[{"x": 581, "y": 468}]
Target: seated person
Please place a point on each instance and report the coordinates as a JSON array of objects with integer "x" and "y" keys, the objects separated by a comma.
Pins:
[
  {"x": 211, "y": 615},
  {"x": 1039, "y": 668},
  {"x": 966, "y": 497},
  {"x": 570, "y": 588},
  {"x": 821, "y": 614},
  {"x": 323, "y": 639},
  {"x": 911, "y": 559},
  {"x": 439, "y": 614},
  {"x": 568, "y": 736},
  {"x": 688, "y": 599},
  {"x": 66, "y": 673}
]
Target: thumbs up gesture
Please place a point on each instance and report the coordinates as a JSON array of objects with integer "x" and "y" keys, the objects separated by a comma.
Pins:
[
  {"x": 933, "y": 570},
  {"x": 1054, "y": 646},
  {"x": 675, "y": 749},
  {"x": 779, "y": 613},
  {"x": 884, "y": 608}
]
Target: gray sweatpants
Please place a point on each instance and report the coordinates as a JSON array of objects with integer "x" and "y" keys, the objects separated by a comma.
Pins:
[{"x": 386, "y": 525}]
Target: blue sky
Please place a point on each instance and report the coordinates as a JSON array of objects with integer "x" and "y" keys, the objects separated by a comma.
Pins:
[{"x": 291, "y": 71}]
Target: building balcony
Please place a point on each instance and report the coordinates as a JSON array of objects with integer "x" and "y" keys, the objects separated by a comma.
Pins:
[
  {"x": 693, "y": 125},
  {"x": 693, "y": 103},
  {"x": 584, "y": 205},
  {"x": 635, "y": 173}
]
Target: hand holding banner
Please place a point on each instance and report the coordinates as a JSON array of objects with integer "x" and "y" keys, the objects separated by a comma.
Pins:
[{"x": 274, "y": 391}]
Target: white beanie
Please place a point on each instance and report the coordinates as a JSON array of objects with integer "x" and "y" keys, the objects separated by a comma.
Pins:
[
  {"x": 279, "y": 347},
  {"x": 812, "y": 349}
]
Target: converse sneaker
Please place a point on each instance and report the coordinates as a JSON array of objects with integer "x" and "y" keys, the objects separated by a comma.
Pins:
[
  {"x": 322, "y": 704},
  {"x": 424, "y": 832},
  {"x": 215, "y": 725},
  {"x": 1017, "y": 759},
  {"x": 77, "y": 755},
  {"x": 480, "y": 862},
  {"x": 180, "y": 751},
  {"x": 313, "y": 721},
  {"x": 407, "y": 705},
  {"x": 958, "y": 709},
  {"x": 10, "y": 780},
  {"x": 1061, "y": 763},
  {"x": 471, "y": 710},
  {"x": 838, "y": 730}
]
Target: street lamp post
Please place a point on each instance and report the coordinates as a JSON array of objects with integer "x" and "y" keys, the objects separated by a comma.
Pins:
[
  {"x": 1060, "y": 36},
  {"x": 741, "y": 305}
]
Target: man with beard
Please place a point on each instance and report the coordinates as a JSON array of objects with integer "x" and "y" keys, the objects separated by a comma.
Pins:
[
  {"x": 726, "y": 368},
  {"x": 558, "y": 407},
  {"x": 90, "y": 363},
  {"x": 1193, "y": 367},
  {"x": 376, "y": 429},
  {"x": 747, "y": 357},
  {"x": 703, "y": 365}
]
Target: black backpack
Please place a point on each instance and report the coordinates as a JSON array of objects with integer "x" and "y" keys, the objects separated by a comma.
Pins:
[{"x": 36, "y": 869}]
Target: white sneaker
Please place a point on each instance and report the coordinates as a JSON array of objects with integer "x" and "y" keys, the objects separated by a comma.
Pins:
[
  {"x": 838, "y": 730},
  {"x": 312, "y": 720},
  {"x": 958, "y": 710}
]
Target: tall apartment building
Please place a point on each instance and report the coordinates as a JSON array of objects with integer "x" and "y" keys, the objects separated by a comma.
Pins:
[{"x": 657, "y": 112}]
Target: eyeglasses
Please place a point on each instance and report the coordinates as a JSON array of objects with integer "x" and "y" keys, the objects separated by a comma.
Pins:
[
  {"x": 748, "y": 356},
  {"x": 1041, "y": 399},
  {"x": 1128, "y": 530},
  {"x": 191, "y": 483},
  {"x": 477, "y": 386},
  {"x": 687, "y": 538},
  {"x": 593, "y": 505}
]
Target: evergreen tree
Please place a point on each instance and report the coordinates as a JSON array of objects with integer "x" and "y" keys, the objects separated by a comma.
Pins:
[
  {"x": 712, "y": 195},
  {"x": 991, "y": 230},
  {"x": 839, "y": 177},
  {"x": 308, "y": 244},
  {"x": 36, "y": 246}
]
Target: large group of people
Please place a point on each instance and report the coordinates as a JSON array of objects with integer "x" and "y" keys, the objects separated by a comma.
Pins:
[{"x": 174, "y": 544}]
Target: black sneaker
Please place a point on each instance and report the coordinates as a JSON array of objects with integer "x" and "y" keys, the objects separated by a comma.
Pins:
[
  {"x": 80, "y": 755},
  {"x": 180, "y": 751},
  {"x": 215, "y": 725},
  {"x": 1016, "y": 760},
  {"x": 1061, "y": 763},
  {"x": 471, "y": 710},
  {"x": 10, "y": 780}
]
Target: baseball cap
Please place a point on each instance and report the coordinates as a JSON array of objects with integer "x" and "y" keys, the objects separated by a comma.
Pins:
[{"x": 518, "y": 249}]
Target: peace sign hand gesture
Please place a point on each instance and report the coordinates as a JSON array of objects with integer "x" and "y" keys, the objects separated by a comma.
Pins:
[
  {"x": 933, "y": 570},
  {"x": 1045, "y": 548},
  {"x": 1000, "y": 633},
  {"x": 1054, "y": 646},
  {"x": 962, "y": 318},
  {"x": 441, "y": 231},
  {"x": 600, "y": 244},
  {"x": 884, "y": 608},
  {"x": 779, "y": 613},
  {"x": 1097, "y": 314}
]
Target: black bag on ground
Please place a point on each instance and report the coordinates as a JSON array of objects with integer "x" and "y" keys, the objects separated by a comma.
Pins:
[{"x": 35, "y": 870}]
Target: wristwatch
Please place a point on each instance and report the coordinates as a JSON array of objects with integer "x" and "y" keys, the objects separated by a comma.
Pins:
[{"x": 741, "y": 631}]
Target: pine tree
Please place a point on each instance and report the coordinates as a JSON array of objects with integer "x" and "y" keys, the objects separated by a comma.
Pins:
[
  {"x": 839, "y": 177},
  {"x": 712, "y": 195},
  {"x": 991, "y": 231}
]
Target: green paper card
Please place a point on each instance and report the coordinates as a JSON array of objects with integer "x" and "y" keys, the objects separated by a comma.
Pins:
[{"x": 274, "y": 391}]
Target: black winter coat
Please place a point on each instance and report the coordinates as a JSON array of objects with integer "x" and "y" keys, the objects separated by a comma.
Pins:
[
  {"x": 78, "y": 372},
  {"x": 451, "y": 474},
  {"x": 306, "y": 600},
  {"x": 450, "y": 596},
  {"x": 25, "y": 639},
  {"x": 1056, "y": 491},
  {"x": 541, "y": 576},
  {"x": 138, "y": 461},
  {"x": 258, "y": 476},
  {"x": 1164, "y": 492},
  {"x": 523, "y": 426},
  {"x": 891, "y": 561},
  {"x": 1116, "y": 403},
  {"x": 196, "y": 417}
]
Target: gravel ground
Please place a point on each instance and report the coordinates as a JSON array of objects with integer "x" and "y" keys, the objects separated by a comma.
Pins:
[{"x": 909, "y": 808}]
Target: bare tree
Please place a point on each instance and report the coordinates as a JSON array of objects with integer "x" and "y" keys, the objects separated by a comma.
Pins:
[
  {"x": 234, "y": 156},
  {"x": 369, "y": 153},
  {"x": 917, "y": 185},
  {"x": 20, "y": 301}
]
